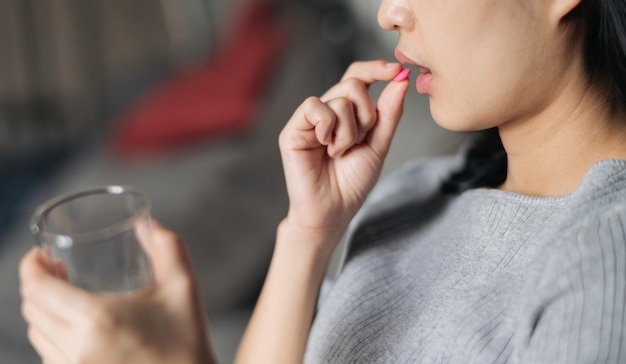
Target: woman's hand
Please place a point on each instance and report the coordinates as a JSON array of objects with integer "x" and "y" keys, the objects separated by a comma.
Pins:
[
  {"x": 333, "y": 147},
  {"x": 165, "y": 324}
]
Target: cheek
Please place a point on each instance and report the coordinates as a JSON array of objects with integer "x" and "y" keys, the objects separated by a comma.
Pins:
[
  {"x": 485, "y": 74},
  {"x": 480, "y": 100}
]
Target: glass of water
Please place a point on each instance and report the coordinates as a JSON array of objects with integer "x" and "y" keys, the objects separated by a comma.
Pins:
[{"x": 91, "y": 236}]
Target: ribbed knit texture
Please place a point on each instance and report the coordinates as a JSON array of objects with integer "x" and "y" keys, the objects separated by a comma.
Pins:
[{"x": 481, "y": 277}]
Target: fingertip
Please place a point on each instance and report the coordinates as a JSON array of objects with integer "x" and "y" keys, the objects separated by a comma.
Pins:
[
  {"x": 168, "y": 244},
  {"x": 392, "y": 67},
  {"x": 403, "y": 75},
  {"x": 333, "y": 151},
  {"x": 388, "y": 70},
  {"x": 143, "y": 229},
  {"x": 164, "y": 235},
  {"x": 369, "y": 72},
  {"x": 31, "y": 273},
  {"x": 29, "y": 261},
  {"x": 169, "y": 256},
  {"x": 396, "y": 90}
]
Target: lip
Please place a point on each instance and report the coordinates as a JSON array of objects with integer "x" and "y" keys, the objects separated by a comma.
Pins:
[{"x": 402, "y": 58}]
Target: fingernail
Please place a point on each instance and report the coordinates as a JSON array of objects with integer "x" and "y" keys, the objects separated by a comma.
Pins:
[
  {"x": 403, "y": 75},
  {"x": 391, "y": 64}
]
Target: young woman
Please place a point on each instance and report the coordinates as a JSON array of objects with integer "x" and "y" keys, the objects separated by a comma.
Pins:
[{"x": 512, "y": 251}]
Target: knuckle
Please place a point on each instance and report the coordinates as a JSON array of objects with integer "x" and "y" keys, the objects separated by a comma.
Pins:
[
  {"x": 343, "y": 105},
  {"x": 186, "y": 285},
  {"x": 102, "y": 323},
  {"x": 355, "y": 85},
  {"x": 289, "y": 140},
  {"x": 311, "y": 102},
  {"x": 369, "y": 118}
]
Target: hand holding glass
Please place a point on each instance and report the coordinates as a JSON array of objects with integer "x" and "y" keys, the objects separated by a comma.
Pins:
[{"x": 91, "y": 235}]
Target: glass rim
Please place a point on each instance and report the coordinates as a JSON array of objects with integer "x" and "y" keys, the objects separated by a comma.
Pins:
[{"x": 37, "y": 226}]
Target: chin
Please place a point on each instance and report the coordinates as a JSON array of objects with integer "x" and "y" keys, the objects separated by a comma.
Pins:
[
  {"x": 451, "y": 121},
  {"x": 458, "y": 120}
]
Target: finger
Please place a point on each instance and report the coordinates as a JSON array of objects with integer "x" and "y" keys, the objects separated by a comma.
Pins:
[
  {"x": 45, "y": 322},
  {"x": 48, "y": 326},
  {"x": 345, "y": 132},
  {"x": 319, "y": 116},
  {"x": 356, "y": 91},
  {"x": 364, "y": 72},
  {"x": 372, "y": 71},
  {"x": 390, "y": 108},
  {"x": 61, "y": 270},
  {"x": 49, "y": 353},
  {"x": 167, "y": 253},
  {"x": 310, "y": 127},
  {"x": 354, "y": 85},
  {"x": 40, "y": 286}
]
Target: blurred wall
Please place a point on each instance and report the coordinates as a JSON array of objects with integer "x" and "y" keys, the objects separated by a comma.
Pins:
[
  {"x": 67, "y": 66},
  {"x": 365, "y": 12}
]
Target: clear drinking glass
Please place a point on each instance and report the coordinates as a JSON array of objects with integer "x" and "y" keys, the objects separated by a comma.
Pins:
[{"x": 91, "y": 235}]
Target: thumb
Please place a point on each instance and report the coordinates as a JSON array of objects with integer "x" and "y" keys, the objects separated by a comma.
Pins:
[
  {"x": 166, "y": 250},
  {"x": 389, "y": 108}
]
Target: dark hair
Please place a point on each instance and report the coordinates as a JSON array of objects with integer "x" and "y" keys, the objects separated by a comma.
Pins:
[
  {"x": 605, "y": 48},
  {"x": 485, "y": 165},
  {"x": 604, "y": 51}
]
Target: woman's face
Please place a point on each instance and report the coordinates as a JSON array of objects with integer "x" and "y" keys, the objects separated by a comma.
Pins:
[{"x": 483, "y": 62}]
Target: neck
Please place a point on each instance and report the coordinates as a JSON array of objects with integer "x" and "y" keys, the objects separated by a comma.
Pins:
[{"x": 550, "y": 152}]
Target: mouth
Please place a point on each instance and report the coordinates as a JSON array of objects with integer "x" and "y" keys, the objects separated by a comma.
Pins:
[
  {"x": 423, "y": 83},
  {"x": 402, "y": 58}
]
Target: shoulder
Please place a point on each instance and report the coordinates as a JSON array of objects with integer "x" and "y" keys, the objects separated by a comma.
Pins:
[
  {"x": 580, "y": 294},
  {"x": 600, "y": 197},
  {"x": 593, "y": 241},
  {"x": 591, "y": 229}
]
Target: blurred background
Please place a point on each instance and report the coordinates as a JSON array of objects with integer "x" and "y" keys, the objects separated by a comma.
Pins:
[{"x": 184, "y": 100}]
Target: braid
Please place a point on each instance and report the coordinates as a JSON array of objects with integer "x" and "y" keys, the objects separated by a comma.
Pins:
[{"x": 485, "y": 165}]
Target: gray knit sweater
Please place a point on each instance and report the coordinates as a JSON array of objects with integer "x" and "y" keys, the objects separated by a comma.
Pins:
[{"x": 485, "y": 276}]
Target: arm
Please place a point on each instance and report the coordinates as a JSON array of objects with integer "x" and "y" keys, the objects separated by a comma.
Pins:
[
  {"x": 332, "y": 150},
  {"x": 166, "y": 324},
  {"x": 283, "y": 314}
]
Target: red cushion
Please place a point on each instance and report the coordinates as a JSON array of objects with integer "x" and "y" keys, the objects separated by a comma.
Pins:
[{"x": 219, "y": 97}]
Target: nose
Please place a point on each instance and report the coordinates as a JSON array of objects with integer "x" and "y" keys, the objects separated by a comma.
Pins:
[{"x": 395, "y": 15}]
